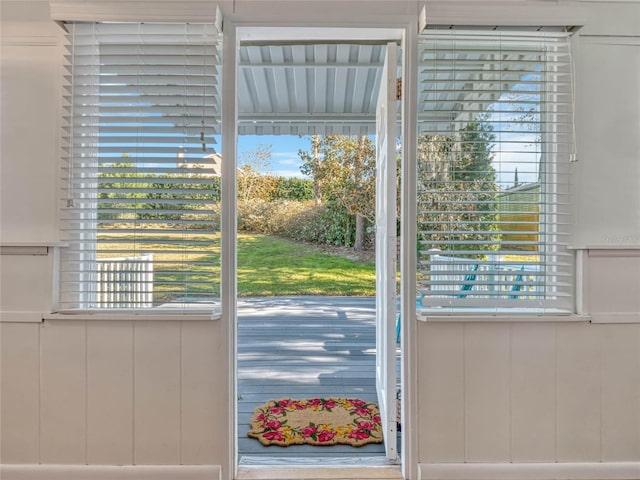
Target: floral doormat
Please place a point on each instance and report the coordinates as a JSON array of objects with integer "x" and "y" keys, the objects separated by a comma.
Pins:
[{"x": 317, "y": 421}]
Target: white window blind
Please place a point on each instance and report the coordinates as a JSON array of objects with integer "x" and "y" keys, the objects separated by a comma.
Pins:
[
  {"x": 494, "y": 151},
  {"x": 140, "y": 172}
]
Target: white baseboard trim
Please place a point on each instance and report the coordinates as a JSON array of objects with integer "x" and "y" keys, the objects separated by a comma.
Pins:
[
  {"x": 530, "y": 471},
  {"x": 110, "y": 472}
]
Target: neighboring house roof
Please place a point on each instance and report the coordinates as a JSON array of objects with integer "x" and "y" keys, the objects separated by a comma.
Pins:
[
  {"x": 533, "y": 187},
  {"x": 213, "y": 164}
]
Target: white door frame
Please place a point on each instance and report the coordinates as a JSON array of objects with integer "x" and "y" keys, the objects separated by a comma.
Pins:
[
  {"x": 408, "y": 253},
  {"x": 408, "y": 37},
  {"x": 229, "y": 236}
]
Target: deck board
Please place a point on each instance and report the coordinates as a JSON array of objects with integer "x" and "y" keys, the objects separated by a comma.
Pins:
[{"x": 301, "y": 347}]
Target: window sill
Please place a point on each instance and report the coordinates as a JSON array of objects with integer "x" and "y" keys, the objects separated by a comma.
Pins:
[
  {"x": 501, "y": 316},
  {"x": 133, "y": 316}
]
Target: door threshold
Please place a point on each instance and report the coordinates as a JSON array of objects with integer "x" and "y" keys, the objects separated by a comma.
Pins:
[
  {"x": 261, "y": 461},
  {"x": 294, "y": 471}
]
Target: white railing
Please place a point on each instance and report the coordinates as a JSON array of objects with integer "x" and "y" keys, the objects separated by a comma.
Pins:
[
  {"x": 125, "y": 282},
  {"x": 459, "y": 277}
]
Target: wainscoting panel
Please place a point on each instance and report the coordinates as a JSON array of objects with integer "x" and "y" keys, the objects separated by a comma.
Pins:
[
  {"x": 114, "y": 393},
  {"x": 533, "y": 392},
  {"x": 620, "y": 392},
  {"x": 441, "y": 401},
  {"x": 63, "y": 407},
  {"x": 566, "y": 392},
  {"x": 579, "y": 402},
  {"x": 110, "y": 393},
  {"x": 157, "y": 393},
  {"x": 487, "y": 436},
  {"x": 20, "y": 389},
  {"x": 203, "y": 374}
]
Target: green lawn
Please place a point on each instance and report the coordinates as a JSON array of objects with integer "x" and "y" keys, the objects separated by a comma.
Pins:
[{"x": 269, "y": 266}]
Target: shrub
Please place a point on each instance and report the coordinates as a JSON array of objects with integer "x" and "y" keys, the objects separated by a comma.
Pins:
[
  {"x": 254, "y": 185},
  {"x": 304, "y": 221},
  {"x": 293, "y": 189},
  {"x": 287, "y": 218}
]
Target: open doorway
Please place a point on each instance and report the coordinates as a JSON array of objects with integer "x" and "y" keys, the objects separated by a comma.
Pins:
[{"x": 328, "y": 85}]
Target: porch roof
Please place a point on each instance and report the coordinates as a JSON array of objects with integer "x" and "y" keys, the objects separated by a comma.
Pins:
[
  {"x": 296, "y": 81},
  {"x": 304, "y": 88}
]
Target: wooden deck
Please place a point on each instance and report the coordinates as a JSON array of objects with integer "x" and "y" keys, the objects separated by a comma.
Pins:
[{"x": 302, "y": 347}]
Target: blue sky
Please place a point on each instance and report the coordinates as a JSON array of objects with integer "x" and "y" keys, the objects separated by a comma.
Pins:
[
  {"x": 522, "y": 153},
  {"x": 284, "y": 151}
]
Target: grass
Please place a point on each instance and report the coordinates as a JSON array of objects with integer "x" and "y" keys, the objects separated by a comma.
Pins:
[
  {"x": 270, "y": 266},
  {"x": 267, "y": 266}
]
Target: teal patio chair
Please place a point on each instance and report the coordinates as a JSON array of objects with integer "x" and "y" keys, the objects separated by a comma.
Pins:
[
  {"x": 516, "y": 287},
  {"x": 468, "y": 278}
]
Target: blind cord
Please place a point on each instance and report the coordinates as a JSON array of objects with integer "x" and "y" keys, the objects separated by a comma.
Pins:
[{"x": 70, "y": 203}]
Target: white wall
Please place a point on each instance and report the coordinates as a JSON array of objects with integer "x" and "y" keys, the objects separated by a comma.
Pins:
[
  {"x": 30, "y": 79},
  {"x": 607, "y": 58},
  {"x": 153, "y": 392}
]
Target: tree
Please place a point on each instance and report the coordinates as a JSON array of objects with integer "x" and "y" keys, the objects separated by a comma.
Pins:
[
  {"x": 457, "y": 188},
  {"x": 253, "y": 171},
  {"x": 314, "y": 159},
  {"x": 343, "y": 170}
]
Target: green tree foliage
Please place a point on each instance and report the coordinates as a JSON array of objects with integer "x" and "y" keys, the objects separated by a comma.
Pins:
[
  {"x": 457, "y": 189},
  {"x": 293, "y": 189},
  {"x": 343, "y": 171}
]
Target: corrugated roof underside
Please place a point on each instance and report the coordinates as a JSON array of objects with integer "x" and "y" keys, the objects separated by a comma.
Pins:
[{"x": 306, "y": 89}]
